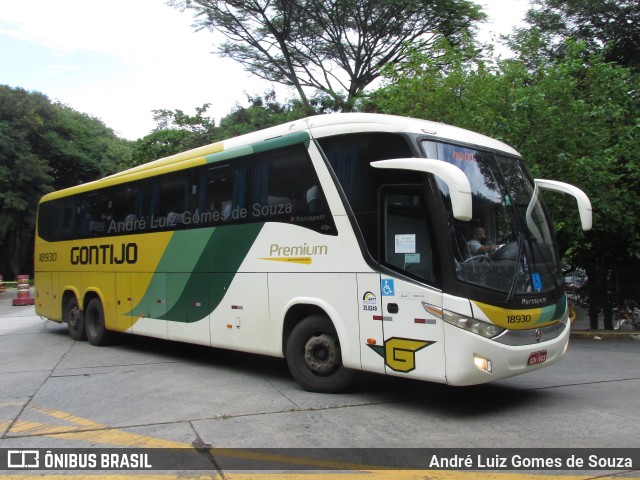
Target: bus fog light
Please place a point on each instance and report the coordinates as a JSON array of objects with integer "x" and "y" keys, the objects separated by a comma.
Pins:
[{"x": 482, "y": 363}]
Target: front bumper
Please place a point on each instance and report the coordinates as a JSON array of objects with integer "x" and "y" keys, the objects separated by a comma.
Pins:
[{"x": 506, "y": 358}]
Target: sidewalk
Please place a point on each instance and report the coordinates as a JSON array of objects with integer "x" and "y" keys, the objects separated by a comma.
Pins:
[{"x": 606, "y": 334}]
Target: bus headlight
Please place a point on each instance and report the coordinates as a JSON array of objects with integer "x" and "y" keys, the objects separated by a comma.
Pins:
[{"x": 484, "y": 329}]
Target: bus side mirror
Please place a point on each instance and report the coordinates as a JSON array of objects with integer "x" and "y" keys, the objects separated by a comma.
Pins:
[
  {"x": 584, "y": 205},
  {"x": 456, "y": 180}
]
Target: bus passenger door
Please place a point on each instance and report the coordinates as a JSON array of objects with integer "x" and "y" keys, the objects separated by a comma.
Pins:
[{"x": 411, "y": 320}]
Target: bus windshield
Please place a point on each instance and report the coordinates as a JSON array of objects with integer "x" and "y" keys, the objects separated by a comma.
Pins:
[{"x": 508, "y": 245}]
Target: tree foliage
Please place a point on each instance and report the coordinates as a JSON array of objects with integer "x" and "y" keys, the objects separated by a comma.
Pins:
[
  {"x": 608, "y": 26},
  {"x": 23, "y": 173},
  {"x": 159, "y": 144},
  {"x": 79, "y": 148},
  {"x": 336, "y": 48},
  {"x": 263, "y": 111},
  {"x": 44, "y": 146},
  {"x": 176, "y": 131},
  {"x": 176, "y": 119}
]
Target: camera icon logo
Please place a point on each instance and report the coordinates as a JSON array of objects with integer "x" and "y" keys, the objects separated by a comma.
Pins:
[{"x": 23, "y": 459}]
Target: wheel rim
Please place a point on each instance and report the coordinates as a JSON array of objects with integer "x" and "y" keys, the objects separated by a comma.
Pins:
[{"x": 321, "y": 354}]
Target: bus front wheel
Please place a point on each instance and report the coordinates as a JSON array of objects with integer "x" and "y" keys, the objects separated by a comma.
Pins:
[
  {"x": 75, "y": 320},
  {"x": 96, "y": 331},
  {"x": 314, "y": 357}
]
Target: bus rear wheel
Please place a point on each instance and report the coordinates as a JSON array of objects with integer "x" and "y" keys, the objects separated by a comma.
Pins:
[
  {"x": 96, "y": 331},
  {"x": 74, "y": 319},
  {"x": 314, "y": 357}
]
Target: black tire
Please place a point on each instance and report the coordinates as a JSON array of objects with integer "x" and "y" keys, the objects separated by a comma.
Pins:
[
  {"x": 97, "y": 333},
  {"x": 314, "y": 357},
  {"x": 74, "y": 319}
]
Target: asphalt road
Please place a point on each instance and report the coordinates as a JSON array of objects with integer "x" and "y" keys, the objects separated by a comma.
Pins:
[{"x": 59, "y": 393}]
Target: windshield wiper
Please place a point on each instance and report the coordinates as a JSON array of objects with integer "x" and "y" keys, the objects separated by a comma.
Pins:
[{"x": 514, "y": 283}]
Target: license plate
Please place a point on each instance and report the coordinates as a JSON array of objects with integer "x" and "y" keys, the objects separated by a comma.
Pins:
[{"x": 537, "y": 357}]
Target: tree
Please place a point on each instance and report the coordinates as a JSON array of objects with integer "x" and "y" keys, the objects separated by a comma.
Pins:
[
  {"x": 79, "y": 148},
  {"x": 23, "y": 175},
  {"x": 191, "y": 130},
  {"x": 159, "y": 144},
  {"x": 612, "y": 26},
  {"x": 451, "y": 88},
  {"x": 337, "y": 48},
  {"x": 175, "y": 132},
  {"x": 177, "y": 119},
  {"x": 44, "y": 146},
  {"x": 263, "y": 112}
]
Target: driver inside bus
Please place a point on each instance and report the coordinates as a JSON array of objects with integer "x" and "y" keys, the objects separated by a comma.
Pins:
[{"x": 476, "y": 244}]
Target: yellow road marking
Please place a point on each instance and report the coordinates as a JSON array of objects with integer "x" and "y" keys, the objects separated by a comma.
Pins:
[
  {"x": 86, "y": 476},
  {"x": 85, "y": 429},
  {"x": 408, "y": 475},
  {"x": 78, "y": 428},
  {"x": 382, "y": 475}
]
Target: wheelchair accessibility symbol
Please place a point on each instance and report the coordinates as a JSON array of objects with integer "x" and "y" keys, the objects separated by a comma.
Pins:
[{"x": 388, "y": 289}]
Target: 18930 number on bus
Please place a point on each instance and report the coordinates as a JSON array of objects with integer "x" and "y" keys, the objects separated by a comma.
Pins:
[{"x": 519, "y": 318}]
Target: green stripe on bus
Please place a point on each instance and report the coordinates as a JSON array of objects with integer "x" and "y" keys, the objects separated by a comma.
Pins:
[
  {"x": 280, "y": 142},
  {"x": 258, "y": 147},
  {"x": 553, "y": 312},
  {"x": 210, "y": 259},
  {"x": 229, "y": 154}
]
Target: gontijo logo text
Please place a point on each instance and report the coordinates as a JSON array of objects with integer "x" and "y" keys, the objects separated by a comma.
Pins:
[{"x": 106, "y": 254}]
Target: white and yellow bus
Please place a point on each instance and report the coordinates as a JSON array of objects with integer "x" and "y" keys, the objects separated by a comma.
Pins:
[{"x": 340, "y": 242}]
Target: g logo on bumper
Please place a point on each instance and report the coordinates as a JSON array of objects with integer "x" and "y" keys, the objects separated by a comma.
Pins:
[{"x": 400, "y": 353}]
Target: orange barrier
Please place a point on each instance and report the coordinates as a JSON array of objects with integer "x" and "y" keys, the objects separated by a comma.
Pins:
[{"x": 24, "y": 292}]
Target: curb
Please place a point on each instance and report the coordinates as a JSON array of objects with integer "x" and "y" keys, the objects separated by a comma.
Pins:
[{"x": 606, "y": 335}]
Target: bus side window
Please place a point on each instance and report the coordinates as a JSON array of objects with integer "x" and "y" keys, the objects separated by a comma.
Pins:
[
  {"x": 95, "y": 212},
  {"x": 221, "y": 191},
  {"x": 216, "y": 183},
  {"x": 169, "y": 198},
  {"x": 57, "y": 219},
  {"x": 68, "y": 219},
  {"x": 284, "y": 187},
  {"x": 126, "y": 203}
]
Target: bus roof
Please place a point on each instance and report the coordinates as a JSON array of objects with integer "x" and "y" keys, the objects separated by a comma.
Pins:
[
  {"x": 342, "y": 123},
  {"x": 318, "y": 126}
]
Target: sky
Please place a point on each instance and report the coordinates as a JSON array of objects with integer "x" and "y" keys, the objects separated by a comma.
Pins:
[{"x": 117, "y": 60}]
